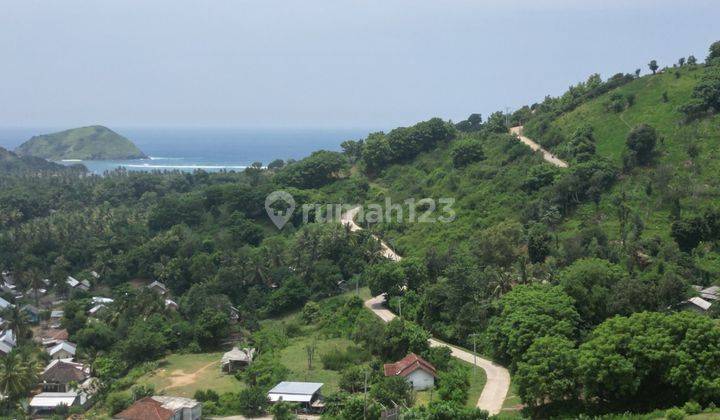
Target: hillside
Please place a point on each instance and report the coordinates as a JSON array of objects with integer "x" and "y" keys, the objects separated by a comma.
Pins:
[
  {"x": 85, "y": 143},
  {"x": 10, "y": 163}
]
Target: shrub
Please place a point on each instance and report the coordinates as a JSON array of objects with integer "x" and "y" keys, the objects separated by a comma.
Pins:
[
  {"x": 467, "y": 151},
  {"x": 337, "y": 359},
  {"x": 692, "y": 407},
  {"x": 252, "y": 401},
  {"x": 117, "y": 402},
  {"x": 675, "y": 414}
]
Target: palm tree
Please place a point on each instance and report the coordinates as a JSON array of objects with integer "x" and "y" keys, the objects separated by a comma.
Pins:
[
  {"x": 16, "y": 320},
  {"x": 34, "y": 280},
  {"x": 16, "y": 378}
]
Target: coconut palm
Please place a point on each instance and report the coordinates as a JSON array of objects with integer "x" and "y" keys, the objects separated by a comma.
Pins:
[{"x": 16, "y": 378}]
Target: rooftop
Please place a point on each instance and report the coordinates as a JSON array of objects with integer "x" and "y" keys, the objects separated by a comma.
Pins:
[
  {"x": 407, "y": 365},
  {"x": 294, "y": 391}
]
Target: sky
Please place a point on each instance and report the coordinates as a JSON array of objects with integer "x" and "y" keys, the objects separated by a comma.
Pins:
[{"x": 329, "y": 63}]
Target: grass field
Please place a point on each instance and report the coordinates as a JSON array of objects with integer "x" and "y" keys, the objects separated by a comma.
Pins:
[
  {"x": 183, "y": 374},
  {"x": 294, "y": 357}
]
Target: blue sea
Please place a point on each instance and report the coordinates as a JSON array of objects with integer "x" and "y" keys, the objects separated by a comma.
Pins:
[{"x": 209, "y": 149}]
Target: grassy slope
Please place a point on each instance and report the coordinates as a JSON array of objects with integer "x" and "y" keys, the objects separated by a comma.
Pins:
[
  {"x": 486, "y": 194},
  {"x": 94, "y": 142},
  {"x": 697, "y": 178}
]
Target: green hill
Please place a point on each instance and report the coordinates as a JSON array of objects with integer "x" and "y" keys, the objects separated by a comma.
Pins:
[{"x": 86, "y": 143}]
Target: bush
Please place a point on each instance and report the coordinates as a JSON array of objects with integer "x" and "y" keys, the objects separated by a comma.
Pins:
[
  {"x": 252, "y": 401},
  {"x": 675, "y": 414},
  {"x": 337, "y": 359},
  {"x": 692, "y": 407},
  {"x": 206, "y": 395},
  {"x": 142, "y": 391},
  {"x": 117, "y": 402},
  {"x": 467, "y": 151}
]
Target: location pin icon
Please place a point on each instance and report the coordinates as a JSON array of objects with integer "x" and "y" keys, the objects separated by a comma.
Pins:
[{"x": 279, "y": 217}]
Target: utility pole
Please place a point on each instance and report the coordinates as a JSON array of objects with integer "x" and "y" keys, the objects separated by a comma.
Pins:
[
  {"x": 507, "y": 116},
  {"x": 399, "y": 308},
  {"x": 474, "y": 338}
]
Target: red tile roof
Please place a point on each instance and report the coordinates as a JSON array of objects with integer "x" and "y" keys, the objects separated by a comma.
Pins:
[
  {"x": 407, "y": 365},
  {"x": 145, "y": 409}
]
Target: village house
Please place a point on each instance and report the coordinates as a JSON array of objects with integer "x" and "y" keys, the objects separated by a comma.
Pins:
[
  {"x": 158, "y": 287},
  {"x": 32, "y": 313},
  {"x": 60, "y": 373},
  {"x": 305, "y": 394},
  {"x": 162, "y": 408},
  {"x": 237, "y": 359},
  {"x": 171, "y": 304},
  {"x": 74, "y": 283},
  {"x": 416, "y": 370},
  {"x": 51, "y": 336},
  {"x": 97, "y": 309},
  {"x": 45, "y": 403},
  {"x": 64, "y": 350},
  {"x": 4, "y": 304},
  {"x": 7, "y": 342}
]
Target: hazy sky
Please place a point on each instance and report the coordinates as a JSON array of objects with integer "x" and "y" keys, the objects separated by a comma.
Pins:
[{"x": 337, "y": 63}]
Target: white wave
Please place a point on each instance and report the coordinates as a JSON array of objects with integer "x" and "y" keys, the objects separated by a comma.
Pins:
[
  {"x": 149, "y": 166},
  {"x": 71, "y": 160},
  {"x": 163, "y": 158}
]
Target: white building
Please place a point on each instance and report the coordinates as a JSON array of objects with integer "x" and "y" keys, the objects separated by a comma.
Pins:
[{"x": 414, "y": 369}]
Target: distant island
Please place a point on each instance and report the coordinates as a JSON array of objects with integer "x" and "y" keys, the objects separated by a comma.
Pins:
[{"x": 85, "y": 143}]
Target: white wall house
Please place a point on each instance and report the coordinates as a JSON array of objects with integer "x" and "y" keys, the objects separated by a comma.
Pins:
[{"x": 416, "y": 370}]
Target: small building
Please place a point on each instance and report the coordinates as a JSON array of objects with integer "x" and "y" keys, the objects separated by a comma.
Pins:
[
  {"x": 7, "y": 342},
  {"x": 96, "y": 300},
  {"x": 60, "y": 373},
  {"x": 46, "y": 402},
  {"x": 416, "y": 370},
  {"x": 52, "y": 336},
  {"x": 64, "y": 350},
  {"x": 162, "y": 408},
  {"x": 97, "y": 309},
  {"x": 32, "y": 313},
  {"x": 306, "y": 394},
  {"x": 696, "y": 304},
  {"x": 237, "y": 359},
  {"x": 171, "y": 304},
  {"x": 74, "y": 283},
  {"x": 158, "y": 287},
  {"x": 4, "y": 304},
  {"x": 57, "y": 315}
]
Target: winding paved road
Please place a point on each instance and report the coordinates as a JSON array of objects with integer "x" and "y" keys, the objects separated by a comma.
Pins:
[
  {"x": 498, "y": 378},
  {"x": 531, "y": 144}
]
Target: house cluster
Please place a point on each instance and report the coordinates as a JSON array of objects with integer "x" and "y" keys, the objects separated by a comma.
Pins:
[
  {"x": 162, "y": 290},
  {"x": 64, "y": 381},
  {"x": 706, "y": 297}
]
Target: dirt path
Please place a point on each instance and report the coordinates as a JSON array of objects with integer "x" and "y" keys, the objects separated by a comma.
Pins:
[
  {"x": 179, "y": 378},
  {"x": 498, "y": 378},
  {"x": 535, "y": 147}
]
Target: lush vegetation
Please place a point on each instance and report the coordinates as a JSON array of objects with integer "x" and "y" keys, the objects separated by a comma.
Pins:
[
  {"x": 87, "y": 143},
  {"x": 572, "y": 277}
]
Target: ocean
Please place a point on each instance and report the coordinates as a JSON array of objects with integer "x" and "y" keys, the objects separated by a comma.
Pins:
[{"x": 209, "y": 149}]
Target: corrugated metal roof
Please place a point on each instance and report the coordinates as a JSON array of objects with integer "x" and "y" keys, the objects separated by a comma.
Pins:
[
  {"x": 296, "y": 388},
  {"x": 53, "y": 399}
]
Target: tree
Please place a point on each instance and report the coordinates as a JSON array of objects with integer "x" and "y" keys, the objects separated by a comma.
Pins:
[
  {"x": 252, "y": 401},
  {"x": 352, "y": 379},
  {"x": 714, "y": 52},
  {"x": 17, "y": 377},
  {"x": 276, "y": 164},
  {"x": 392, "y": 390},
  {"x": 467, "y": 151},
  {"x": 453, "y": 385},
  {"x": 681, "y": 61},
  {"x": 641, "y": 143},
  {"x": 539, "y": 241},
  {"x": 590, "y": 283},
  {"x": 357, "y": 408},
  {"x": 527, "y": 313},
  {"x": 386, "y": 277},
  {"x": 688, "y": 232},
  {"x": 310, "y": 351},
  {"x": 692, "y": 60},
  {"x": 402, "y": 337},
  {"x": 547, "y": 372},
  {"x": 653, "y": 65},
  {"x": 283, "y": 410},
  {"x": 650, "y": 357}
]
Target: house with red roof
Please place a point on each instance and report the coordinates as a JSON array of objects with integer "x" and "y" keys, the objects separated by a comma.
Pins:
[{"x": 416, "y": 370}]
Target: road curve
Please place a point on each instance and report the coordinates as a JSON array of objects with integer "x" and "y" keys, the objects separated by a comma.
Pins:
[
  {"x": 535, "y": 147},
  {"x": 498, "y": 378}
]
